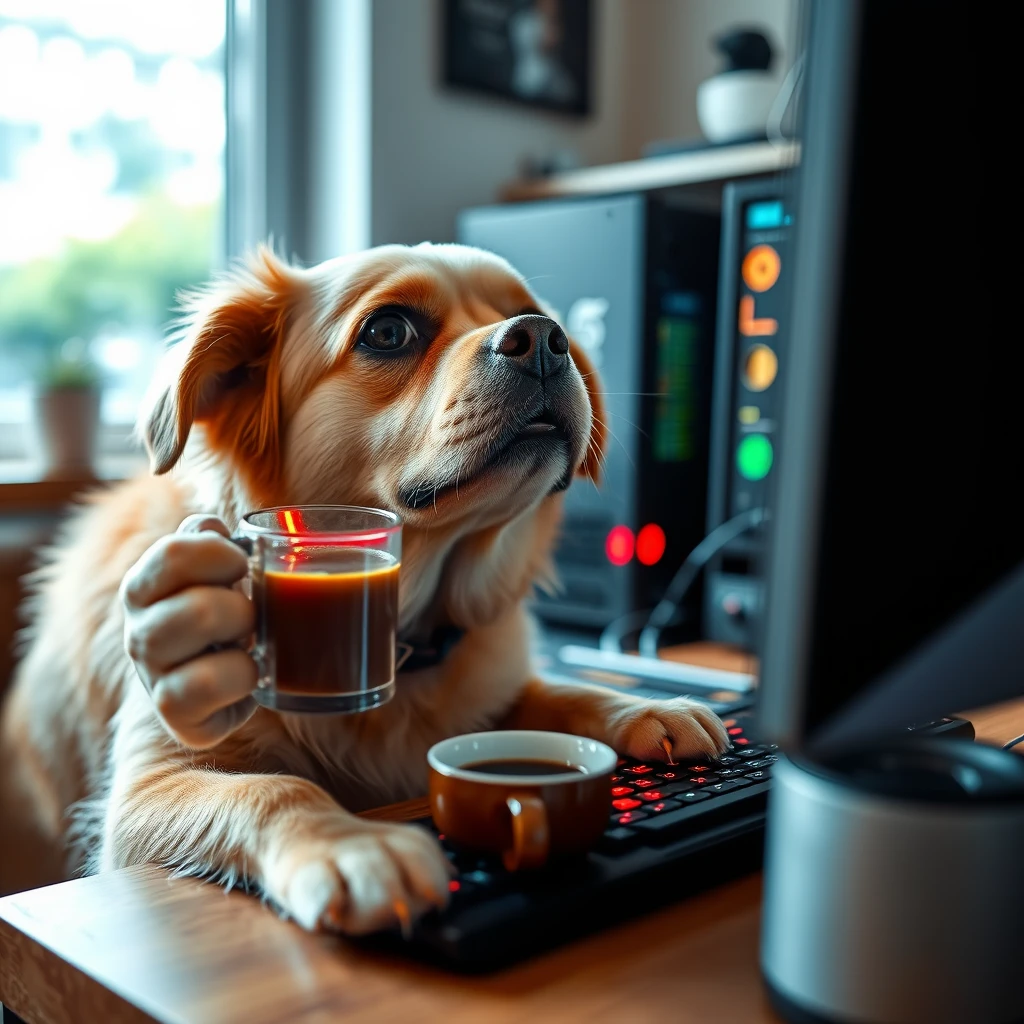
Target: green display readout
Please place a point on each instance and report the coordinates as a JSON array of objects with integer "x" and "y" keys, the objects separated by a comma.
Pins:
[
  {"x": 754, "y": 457},
  {"x": 675, "y": 410}
]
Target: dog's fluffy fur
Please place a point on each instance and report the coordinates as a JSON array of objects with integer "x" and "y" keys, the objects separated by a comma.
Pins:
[{"x": 268, "y": 398}]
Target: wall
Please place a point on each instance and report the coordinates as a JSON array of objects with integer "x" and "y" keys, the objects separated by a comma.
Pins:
[
  {"x": 668, "y": 53},
  {"x": 434, "y": 150}
]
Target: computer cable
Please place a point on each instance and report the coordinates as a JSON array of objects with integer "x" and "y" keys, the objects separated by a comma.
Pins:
[
  {"x": 665, "y": 610},
  {"x": 1014, "y": 742}
]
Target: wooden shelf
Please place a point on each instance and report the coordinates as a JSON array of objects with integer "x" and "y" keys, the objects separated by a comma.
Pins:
[{"x": 720, "y": 163}]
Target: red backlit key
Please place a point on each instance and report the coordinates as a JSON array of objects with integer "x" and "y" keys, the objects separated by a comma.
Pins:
[
  {"x": 741, "y": 741},
  {"x": 644, "y": 783},
  {"x": 652, "y": 795},
  {"x": 700, "y": 780},
  {"x": 454, "y": 885},
  {"x": 621, "y": 761},
  {"x": 668, "y": 775},
  {"x": 626, "y": 803},
  {"x": 664, "y": 805},
  {"x": 699, "y": 769},
  {"x": 640, "y": 769},
  {"x": 621, "y": 790},
  {"x": 618, "y": 778},
  {"x": 629, "y": 818}
]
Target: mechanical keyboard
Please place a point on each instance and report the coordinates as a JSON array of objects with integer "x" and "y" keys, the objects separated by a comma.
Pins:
[{"x": 673, "y": 830}]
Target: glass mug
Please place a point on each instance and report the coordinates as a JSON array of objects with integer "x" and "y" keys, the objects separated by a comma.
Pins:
[{"x": 324, "y": 582}]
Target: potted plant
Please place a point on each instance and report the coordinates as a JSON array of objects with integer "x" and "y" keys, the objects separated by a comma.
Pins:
[{"x": 67, "y": 411}]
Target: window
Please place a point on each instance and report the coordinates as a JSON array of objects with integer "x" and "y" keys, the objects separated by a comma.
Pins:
[{"x": 112, "y": 133}]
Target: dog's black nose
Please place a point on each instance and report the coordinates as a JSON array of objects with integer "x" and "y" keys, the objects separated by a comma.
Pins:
[{"x": 535, "y": 344}]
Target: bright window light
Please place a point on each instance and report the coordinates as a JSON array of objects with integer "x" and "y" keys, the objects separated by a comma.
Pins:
[{"x": 111, "y": 182}]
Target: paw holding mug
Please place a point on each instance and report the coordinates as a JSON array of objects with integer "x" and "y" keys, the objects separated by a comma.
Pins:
[{"x": 186, "y": 624}]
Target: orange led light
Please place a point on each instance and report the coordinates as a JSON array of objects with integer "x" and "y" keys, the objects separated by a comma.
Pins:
[{"x": 761, "y": 268}]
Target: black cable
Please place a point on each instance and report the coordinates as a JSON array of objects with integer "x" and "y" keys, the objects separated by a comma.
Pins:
[
  {"x": 1014, "y": 742},
  {"x": 618, "y": 629},
  {"x": 684, "y": 578}
]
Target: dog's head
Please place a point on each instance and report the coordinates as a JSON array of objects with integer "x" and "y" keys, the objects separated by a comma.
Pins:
[{"x": 425, "y": 380}]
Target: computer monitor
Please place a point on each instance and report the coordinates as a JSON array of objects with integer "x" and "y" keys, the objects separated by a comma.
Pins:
[{"x": 895, "y": 512}]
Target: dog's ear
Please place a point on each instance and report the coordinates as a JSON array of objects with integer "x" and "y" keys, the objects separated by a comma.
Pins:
[
  {"x": 594, "y": 458},
  {"x": 224, "y": 371}
]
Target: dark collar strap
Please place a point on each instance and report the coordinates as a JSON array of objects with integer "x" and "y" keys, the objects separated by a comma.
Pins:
[{"x": 416, "y": 655}]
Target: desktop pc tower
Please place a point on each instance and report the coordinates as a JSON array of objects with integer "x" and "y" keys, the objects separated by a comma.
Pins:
[
  {"x": 633, "y": 278},
  {"x": 750, "y": 366}
]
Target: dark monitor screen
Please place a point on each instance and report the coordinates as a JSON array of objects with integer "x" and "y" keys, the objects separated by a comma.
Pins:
[{"x": 896, "y": 501}]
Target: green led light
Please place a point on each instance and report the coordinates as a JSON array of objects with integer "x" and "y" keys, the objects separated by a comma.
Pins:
[{"x": 754, "y": 456}]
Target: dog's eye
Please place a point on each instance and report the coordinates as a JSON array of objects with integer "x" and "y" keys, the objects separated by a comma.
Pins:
[{"x": 388, "y": 332}]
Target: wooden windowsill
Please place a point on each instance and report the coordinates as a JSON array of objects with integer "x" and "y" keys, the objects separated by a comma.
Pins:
[{"x": 25, "y": 487}]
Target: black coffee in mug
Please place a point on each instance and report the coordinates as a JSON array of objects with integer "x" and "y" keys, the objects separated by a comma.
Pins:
[{"x": 522, "y": 766}]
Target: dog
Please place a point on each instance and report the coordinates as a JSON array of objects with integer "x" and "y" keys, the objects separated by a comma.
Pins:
[{"x": 427, "y": 380}]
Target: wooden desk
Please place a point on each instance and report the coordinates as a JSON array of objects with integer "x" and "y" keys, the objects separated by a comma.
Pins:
[{"x": 135, "y": 945}]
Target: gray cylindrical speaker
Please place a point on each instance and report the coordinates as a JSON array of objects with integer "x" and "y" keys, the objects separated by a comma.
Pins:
[{"x": 894, "y": 886}]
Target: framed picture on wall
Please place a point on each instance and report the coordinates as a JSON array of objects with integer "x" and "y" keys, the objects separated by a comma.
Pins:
[{"x": 535, "y": 52}]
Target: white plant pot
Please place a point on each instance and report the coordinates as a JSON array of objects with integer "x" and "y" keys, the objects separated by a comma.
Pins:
[
  {"x": 66, "y": 426},
  {"x": 735, "y": 104}
]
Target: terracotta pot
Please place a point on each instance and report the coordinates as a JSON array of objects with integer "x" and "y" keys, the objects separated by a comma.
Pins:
[{"x": 67, "y": 422}]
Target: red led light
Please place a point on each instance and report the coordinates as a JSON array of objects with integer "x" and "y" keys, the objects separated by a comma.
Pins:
[
  {"x": 618, "y": 545},
  {"x": 668, "y": 775},
  {"x": 643, "y": 783},
  {"x": 639, "y": 769},
  {"x": 656, "y": 808},
  {"x": 454, "y": 885},
  {"x": 652, "y": 795},
  {"x": 650, "y": 544},
  {"x": 698, "y": 780},
  {"x": 626, "y": 803},
  {"x": 735, "y": 731},
  {"x": 699, "y": 768},
  {"x": 741, "y": 742},
  {"x": 621, "y": 790}
]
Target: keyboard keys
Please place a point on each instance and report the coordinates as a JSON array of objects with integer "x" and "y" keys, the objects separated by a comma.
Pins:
[
  {"x": 728, "y": 773},
  {"x": 618, "y": 778},
  {"x": 638, "y": 769},
  {"x": 625, "y": 803},
  {"x": 758, "y": 762},
  {"x": 759, "y": 776},
  {"x": 672, "y": 788},
  {"x": 618, "y": 840},
  {"x": 699, "y": 769},
  {"x": 660, "y": 826},
  {"x": 644, "y": 783},
  {"x": 702, "y": 780},
  {"x": 628, "y": 818},
  {"x": 652, "y": 795},
  {"x": 669, "y": 776},
  {"x": 726, "y": 786},
  {"x": 691, "y": 796},
  {"x": 662, "y": 806},
  {"x": 728, "y": 759},
  {"x": 751, "y": 751},
  {"x": 740, "y": 741},
  {"x": 621, "y": 790}
]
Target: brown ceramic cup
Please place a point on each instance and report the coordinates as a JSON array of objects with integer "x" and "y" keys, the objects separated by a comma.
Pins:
[{"x": 527, "y": 819}]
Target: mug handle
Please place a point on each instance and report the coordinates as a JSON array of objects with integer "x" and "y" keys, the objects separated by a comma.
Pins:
[{"x": 530, "y": 834}]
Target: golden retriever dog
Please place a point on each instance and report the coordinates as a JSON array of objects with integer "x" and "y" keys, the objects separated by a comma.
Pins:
[{"x": 425, "y": 380}]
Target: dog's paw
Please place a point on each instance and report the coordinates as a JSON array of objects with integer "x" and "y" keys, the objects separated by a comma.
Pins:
[
  {"x": 374, "y": 877},
  {"x": 651, "y": 729}
]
